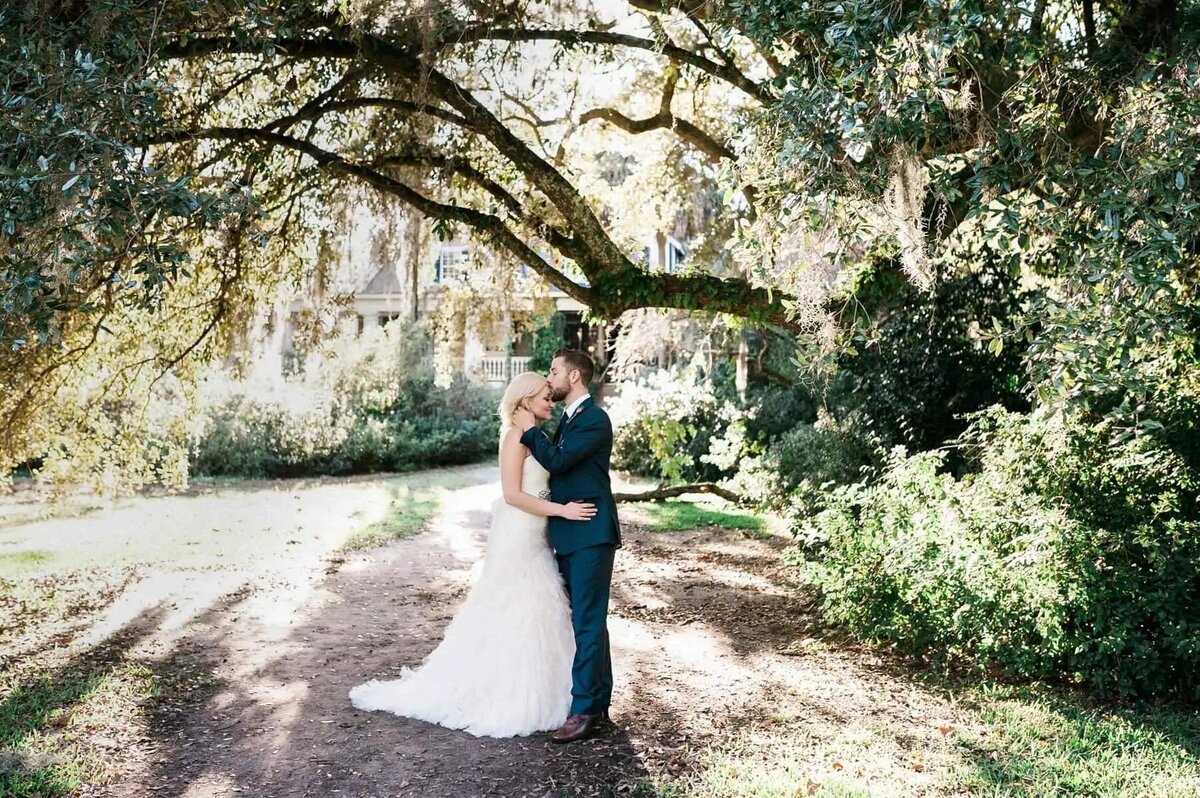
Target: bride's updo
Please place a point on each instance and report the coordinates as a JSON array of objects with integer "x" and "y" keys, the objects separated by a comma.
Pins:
[{"x": 523, "y": 387}]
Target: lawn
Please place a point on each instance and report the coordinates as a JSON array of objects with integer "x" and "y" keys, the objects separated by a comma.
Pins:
[{"x": 676, "y": 516}]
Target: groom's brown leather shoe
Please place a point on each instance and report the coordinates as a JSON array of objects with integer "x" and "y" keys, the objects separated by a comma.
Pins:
[{"x": 576, "y": 727}]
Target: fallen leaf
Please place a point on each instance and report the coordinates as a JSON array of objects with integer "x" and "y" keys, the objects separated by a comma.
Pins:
[
  {"x": 916, "y": 762},
  {"x": 946, "y": 730},
  {"x": 837, "y": 764}
]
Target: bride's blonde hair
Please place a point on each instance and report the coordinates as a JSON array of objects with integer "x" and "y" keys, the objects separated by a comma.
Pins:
[{"x": 523, "y": 387}]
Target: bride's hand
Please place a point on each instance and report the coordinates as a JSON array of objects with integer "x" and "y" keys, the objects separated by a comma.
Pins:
[
  {"x": 523, "y": 419},
  {"x": 577, "y": 511}
]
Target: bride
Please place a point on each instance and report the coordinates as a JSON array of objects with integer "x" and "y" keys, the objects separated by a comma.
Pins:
[{"x": 504, "y": 665}]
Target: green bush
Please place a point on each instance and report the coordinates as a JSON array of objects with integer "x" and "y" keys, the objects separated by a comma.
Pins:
[
  {"x": 925, "y": 371},
  {"x": 250, "y": 437},
  {"x": 916, "y": 560},
  {"x": 822, "y": 453},
  {"x": 547, "y": 340},
  {"x": 371, "y": 406},
  {"x": 423, "y": 426},
  {"x": 776, "y": 409},
  {"x": 665, "y": 425},
  {"x": 1065, "y": 554}
]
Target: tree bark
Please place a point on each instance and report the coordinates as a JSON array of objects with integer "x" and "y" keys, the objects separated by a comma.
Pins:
[{"x": 661, "y": 494}]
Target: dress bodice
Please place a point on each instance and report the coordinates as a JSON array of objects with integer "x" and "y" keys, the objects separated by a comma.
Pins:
[{"x": 535, "y": 480}]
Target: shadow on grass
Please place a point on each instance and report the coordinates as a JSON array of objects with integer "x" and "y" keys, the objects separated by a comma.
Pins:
[
  {"x": 1051, "y": 742},
  {"x": 40, "y": 701},
  {"x": 750, "y": 618},
  {"x": 1037, "y": 741},
  {"x": 283, "y": 726}
]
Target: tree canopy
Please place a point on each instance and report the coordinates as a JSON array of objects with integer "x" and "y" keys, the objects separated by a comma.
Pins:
[{"x": 170, "y": 166}]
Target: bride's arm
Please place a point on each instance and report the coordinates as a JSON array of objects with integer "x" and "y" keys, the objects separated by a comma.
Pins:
[{"x": 512, "y": 464}]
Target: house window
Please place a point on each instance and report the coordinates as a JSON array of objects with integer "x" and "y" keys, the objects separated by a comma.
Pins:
[
  {"x": 384, "y": 318},
  {"x": 675, "y": 255},
  {"x": 360, "y": 323},
  {"x": 451, "y": 264}
]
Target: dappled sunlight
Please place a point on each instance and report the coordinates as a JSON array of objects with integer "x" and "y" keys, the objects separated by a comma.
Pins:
[
  {"x": 785, "y": 710},
  {"x": 211, "y": 785},
  {"x": 726, "y": 679},
  {"x": 277, "y": 613},
  {"x": 182, "y": 597}
]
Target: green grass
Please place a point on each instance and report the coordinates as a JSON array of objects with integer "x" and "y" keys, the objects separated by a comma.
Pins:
[
  {"x": 786, "y": 762},
  {"x": 409, "y": 511},
  {"x": 47, "y": 720},
  {"x": 18, "y": 562},
  {"x": 1041, "y": 744},
  {"x": 1011, "y": 743},
  {"x": 675, "y": 516}
]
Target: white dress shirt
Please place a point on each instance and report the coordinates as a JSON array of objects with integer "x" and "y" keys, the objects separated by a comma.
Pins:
[{"x": 571, "y": 409}]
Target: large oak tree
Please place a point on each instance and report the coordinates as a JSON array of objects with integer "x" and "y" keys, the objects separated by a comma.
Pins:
[{"x": 167, "y": 164}]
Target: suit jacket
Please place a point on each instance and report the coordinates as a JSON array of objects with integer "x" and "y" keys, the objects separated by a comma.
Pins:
[{"x": 578, "y": 462}]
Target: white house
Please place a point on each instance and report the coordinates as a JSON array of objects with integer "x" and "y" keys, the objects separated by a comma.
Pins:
[{"x": 392, "y": 270}]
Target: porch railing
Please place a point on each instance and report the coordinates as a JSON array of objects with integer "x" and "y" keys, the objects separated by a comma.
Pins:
[{"x": 500, "y": 369}]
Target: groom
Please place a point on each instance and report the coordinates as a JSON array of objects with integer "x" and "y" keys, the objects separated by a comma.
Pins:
[{"x": 577, "y": 459}]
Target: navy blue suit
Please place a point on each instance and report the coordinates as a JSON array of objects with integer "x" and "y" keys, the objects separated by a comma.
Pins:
[{"x": 578, "y": 461}]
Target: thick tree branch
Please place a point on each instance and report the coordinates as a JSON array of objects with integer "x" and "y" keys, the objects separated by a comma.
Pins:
[
  {"x": 1089, "y": 26},
  {"x": 326, "y": 47},
  {"x": 617, "y": 291},
  {"x": 1039, "y": 13},
  {"x": 354, "y": 103},
  {"x": 616, "y": 284},
  {"x": 695, "y": 11},
  {"x": 661, "y": 494},
  {"x": 727, "y": 73},
  {"x": 595, "y": 251},
  {"x": 310, "y": 110},
  {"x": 462, "y": 167},
  {"x": 458, "y": 166},
  {"x": 489, "y": 226},
  {"x": 664, "y": 120},
  {"x": 660, "y": 121}
]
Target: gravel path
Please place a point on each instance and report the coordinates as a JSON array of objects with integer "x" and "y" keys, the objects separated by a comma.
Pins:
[{"x": 713, "y": 642}]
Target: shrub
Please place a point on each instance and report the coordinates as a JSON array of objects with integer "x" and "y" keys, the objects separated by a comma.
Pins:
[
  {"x": 822, "y": 453},
  {"x": 253, "y": 437},
  {"x": 776, "y": 409},
  {"x": 423, "y": 426},
  {"x": 373, "y": 406},
  {"x": 925, "y": 372},
  {"x": 665, "y": 423},
  {"x": 1064, "y": 554},
  {"x": 547, "y": 340}
]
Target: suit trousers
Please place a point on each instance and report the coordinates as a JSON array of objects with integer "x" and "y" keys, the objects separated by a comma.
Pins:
[{"x": 587, "y": 574}]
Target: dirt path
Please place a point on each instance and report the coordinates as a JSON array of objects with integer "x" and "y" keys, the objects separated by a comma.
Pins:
[{"x": 712, "y": 643}]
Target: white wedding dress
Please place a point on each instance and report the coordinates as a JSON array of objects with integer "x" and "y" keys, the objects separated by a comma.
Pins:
[{"x": 503, "y": 667}]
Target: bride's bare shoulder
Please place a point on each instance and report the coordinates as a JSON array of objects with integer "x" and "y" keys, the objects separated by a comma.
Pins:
[{"x": 512, "y": 440}]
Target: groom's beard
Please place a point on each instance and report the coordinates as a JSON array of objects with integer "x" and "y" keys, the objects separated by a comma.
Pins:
[{"x": 557, "y": 394}]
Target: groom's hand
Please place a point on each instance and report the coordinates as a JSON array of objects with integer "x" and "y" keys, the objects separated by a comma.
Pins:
[{"x": 523, "y": 419}]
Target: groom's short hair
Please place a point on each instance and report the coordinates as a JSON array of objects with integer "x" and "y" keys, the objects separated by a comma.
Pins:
[{"x": 579, "y": 361}]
